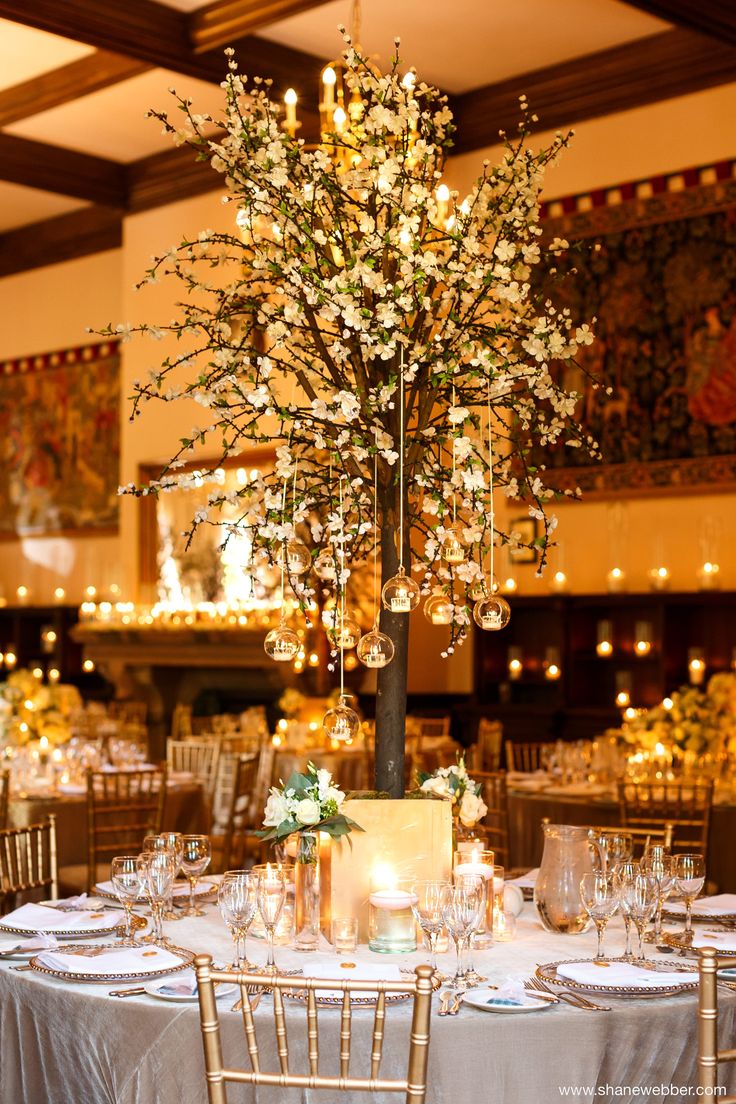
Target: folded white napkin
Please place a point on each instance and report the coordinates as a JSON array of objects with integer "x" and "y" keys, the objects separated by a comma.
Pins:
[
  {"x": 722, "y": 941},
  {"x": 38, "y": 942},
  {"x": 721, "y": 905},
  {"x": 360, "y": 971},
  {"x": 123, "y": 960},
  {"x": 42, "y": 918},
  {"x": 525, "y": 881},
  {"x": 617, "y": 974},
  {"x": 512, "y": 991}
]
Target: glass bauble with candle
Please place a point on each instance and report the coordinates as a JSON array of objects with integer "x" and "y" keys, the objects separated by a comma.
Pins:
[
  {"x": 341, "y": 723},
  {"x": 294, "y": 557},
  {"x": 344, "y": 632},
  {"x": 400, "y": 594},
  {"x": 439, "y": 608},
  {"x": 492, "y": 613},
  {"x": 453, "y": 545},
  {"x": 324, "y": 567},
  {"x": 282, "y": 643},
  {"x": 375, "y": 649}
]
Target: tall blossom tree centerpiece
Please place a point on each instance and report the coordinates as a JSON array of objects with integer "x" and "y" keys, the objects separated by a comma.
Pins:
[{"x": 386, "y": 336}]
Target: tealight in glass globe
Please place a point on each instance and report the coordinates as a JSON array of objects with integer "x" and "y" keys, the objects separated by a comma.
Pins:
[
  {"x": 282, "y": 643},
  {"x": 342, "y": 722},
  {"x": 345, "y": 632},
  {"x": 492, "y": 613},
  {"x": 324, "y": 567},
  {"x": 375, "y": 649},
  {"x": 438, "y": 609},
  {"x": 298, "y": 557},
  {"x": 478, "y": 590},
  {"x": 400, "y": 593},
  {"x": 453, "y": 546}
]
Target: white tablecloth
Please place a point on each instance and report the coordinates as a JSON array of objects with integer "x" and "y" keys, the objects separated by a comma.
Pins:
[{"x": 63, "y": 1042}]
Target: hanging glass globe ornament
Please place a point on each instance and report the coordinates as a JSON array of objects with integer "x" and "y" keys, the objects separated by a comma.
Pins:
[
  {"x": 453, "y": 545},
  {"x": 439, "y": 608},
  {"x": 298, "y": 557},
  {"x": 400, "y": 594},
  {"x": 324, "y": 566},
  {"x": 478, "y": 590},
  {"x": 492, "y": 613},
  {"x": 375, "y": 649},
  {"x": 341, "y": 723},
  {"x": 344, "y": 632},
  {"x": 282, "y": 643}
]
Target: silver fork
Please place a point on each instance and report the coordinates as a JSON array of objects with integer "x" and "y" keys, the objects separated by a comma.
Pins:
[{"x": 575, "y": 999}]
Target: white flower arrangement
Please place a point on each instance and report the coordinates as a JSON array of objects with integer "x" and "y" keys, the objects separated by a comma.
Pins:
[
  {"x": 455, "y": 785},
  {"x": 307, "y": 803}
]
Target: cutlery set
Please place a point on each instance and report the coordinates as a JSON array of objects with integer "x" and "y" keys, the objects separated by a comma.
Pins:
[{"x": 538, "y": 988}]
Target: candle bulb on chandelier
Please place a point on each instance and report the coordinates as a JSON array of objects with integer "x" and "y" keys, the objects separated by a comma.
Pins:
[
  {"x": 709, "y": 576},
  {"x": 290, "y": 122},
  {"x": 616, "y": 580},
  {"x": 659, "y": 578}
]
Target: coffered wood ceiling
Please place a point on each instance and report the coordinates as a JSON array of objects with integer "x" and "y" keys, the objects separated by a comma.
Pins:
[{"x": 64, "y": 131}]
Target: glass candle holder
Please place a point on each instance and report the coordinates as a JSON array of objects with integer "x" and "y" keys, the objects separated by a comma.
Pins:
[
  {"x": 469, "y": 860},
  {"x": 391, "y": 924},
  {"x": 344, "y": 932}
]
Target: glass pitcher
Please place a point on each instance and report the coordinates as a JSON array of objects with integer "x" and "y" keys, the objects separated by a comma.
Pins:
[{"x": 568, "y": 854}]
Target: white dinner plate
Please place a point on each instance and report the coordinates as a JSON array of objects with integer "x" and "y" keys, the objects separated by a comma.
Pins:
[
  {"x": 488, "y": 1000},
  {"x": 182, "y": 989}
]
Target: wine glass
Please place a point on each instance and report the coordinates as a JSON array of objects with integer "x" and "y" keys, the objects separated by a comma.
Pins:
[
  {"x": 461, "y": 909},
  {"x": 689, "y": 880},
  {"x": 661, "y": 867},
  {"x": 483, "y": 886},
  {"x": 157, "y": 877},
  {"x": 623, "y": 874},
  {"x": 599, "y": 897},
  {"x": 610, "y": 849},
  {"x": 427, "y": 909},
  {"x": 270, "y": 895},
  {"x": 641, "y": 894},
  {"x": 126, "y": 881},
  {"x": 237, "y": 900},
  {"x": 195, "y": 858},
  {"x": 173, "y": 841}
]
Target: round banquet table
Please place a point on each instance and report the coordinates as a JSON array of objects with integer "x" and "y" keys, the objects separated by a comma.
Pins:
[
  {"x": 185, "y": 810},
  {"x": 527, "y": 810},
  {"x": 64, "y": 1041}
]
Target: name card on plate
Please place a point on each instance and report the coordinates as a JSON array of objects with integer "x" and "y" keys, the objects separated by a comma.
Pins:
[{"x": 411, "y": 839}]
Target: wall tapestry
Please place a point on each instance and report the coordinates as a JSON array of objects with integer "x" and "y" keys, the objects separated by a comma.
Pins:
[
  {"x": 60, "y": 441},
  {"x": 660, "y": 276}
]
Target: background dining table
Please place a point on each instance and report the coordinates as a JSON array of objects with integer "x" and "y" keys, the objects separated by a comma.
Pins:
[
  {"x": 588, "y": 805},
  {"x": 62, "y": 1040},
  {"x": 185, "y": 810}
]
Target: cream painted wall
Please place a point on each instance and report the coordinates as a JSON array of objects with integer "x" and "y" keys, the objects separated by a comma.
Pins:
[
  {"x": 49, "y": 308},
  {"x": 43, "y": 310}
]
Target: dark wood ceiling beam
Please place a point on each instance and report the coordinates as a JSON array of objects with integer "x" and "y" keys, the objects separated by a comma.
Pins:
[
  {"x": 710, "y": 17},
  {"x": 220, "y": 23},
  {"x": 60, "y": 86},
  {"x": 64, "y": 171},
  {"x": 654, "y": 68},
  {"x": 65, "y": 238}
]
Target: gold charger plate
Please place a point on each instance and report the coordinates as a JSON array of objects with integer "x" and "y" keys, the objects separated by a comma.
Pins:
[
  {"x": 681, "y": 943},
  {"x": 698, "y": 918},
  {"x": 137, "y": 922},
  {"x": 548, "y": 974},
  {"x": 187, "y": 958},
  {"x": 336, "y": 1002},
  {"x": 180, "y": 897}
]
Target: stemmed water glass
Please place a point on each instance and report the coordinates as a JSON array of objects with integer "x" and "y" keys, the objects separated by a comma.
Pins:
[
  {"x": 270, "y": 895},
  {"x": 641, "y": 893},
  {"x": 483, "y": 886},
  {"x": 600, "y": 900},
  {"x": 610, "y": 849},
  {"x": 462, "y": 907},
  {"x": 237, "y": 900},
  {"x": 427, "y": 909},
  {"x": 173, "y": 841},
  {"x": 157, "y": 877},
  {"x": 662, "y": 867},
  {"x": 689, "y": 879},
  {"x": 195, "y": 858},
  {"x": 126, "y": 881},
  {"x": 623, "y": 874}
]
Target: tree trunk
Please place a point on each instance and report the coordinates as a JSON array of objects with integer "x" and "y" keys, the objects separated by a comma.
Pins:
[{"x": 391, "y": 693}]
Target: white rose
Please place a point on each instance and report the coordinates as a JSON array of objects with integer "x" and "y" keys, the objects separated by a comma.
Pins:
[
  {"x": 436, "y": 786},
  {"x": 324, "y": 779},
  {"x": 277, "y": 810},
  {"x": 472, "y": 809},
  {"x": 307, "y": 811}
]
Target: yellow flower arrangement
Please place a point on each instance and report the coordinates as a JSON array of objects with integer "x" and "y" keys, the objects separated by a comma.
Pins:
[{"x": 30, "y": 710}]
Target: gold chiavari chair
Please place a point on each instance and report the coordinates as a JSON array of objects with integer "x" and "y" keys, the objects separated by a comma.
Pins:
[
  {"x": 244, "y": 818},
  {"x": 197, "y": 757},
  {"x": 525, "y": 757},
  {"x": 485, "y": 753},
  {"x": 28, "y": 863},
  {"x": 4, "y": 797},
  {"x": 494, "y": 827},
  {"x": 685, "y": 805},
  {"x": 709, "y": 1056},
  {"x": 642, "y": 838},
  {"x": 413, "y": 1086},
  {"x": 122, "y": 808}
]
